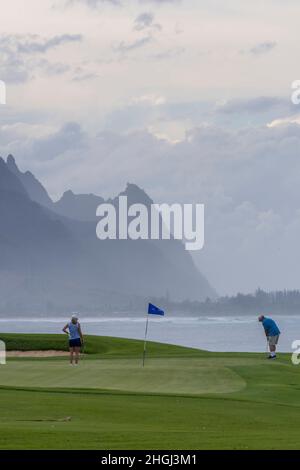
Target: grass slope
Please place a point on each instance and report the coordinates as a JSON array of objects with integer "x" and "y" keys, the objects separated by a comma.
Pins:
[
  {"x": 182, "y": 399},
  {"x": 94, "y": 346}
]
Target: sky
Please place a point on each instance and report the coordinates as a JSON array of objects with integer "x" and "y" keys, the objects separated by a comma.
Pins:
[{"x": 190, "y": 99}]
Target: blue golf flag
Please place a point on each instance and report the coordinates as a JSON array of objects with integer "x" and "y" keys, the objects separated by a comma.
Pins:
[{"x": 153, "y": 310}]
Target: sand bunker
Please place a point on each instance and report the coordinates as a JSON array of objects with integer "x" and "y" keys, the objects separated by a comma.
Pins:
[{"x": 50, "y": 353}]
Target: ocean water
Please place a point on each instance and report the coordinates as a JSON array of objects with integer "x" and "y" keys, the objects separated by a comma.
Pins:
[{"x": 214, "y": 333}]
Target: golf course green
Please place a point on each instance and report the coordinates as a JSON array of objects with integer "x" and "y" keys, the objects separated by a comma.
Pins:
[{"x": 182, "y": 399}]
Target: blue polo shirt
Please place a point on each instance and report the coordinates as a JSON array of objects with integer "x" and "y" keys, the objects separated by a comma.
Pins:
[{"x": 270, "y": 327}]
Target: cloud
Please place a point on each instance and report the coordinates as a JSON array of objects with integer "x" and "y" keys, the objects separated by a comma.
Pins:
[
  {"x": 285, "y": 121},
  {"x": 124, "y": 46},
  {"x": 44, "y": 144},
  {"x": 52, "y": 68},
  {"x": 35, "y": 44},
  {"x": 32, "y": 43},
  {"x": 178, "y": 29},
  {"x": 21, "y": 55},
  {"x": 261, "y": 104},
  {"x": 145, "y": 21},
  {"x": 98, "y": 3},
  {"x": 167, "y": 54},
  {"x": 84, "y": 76},
  {"x": 93, "y": 3},
  {"x": 265, "y": 110},
  {"x": 156, "y": 111},
  {"x": 261, "y": 48},
  {"x": 69, "y": 137},
  {"x": 160, "y": 2},
  {"x": 152, "y": 99}
]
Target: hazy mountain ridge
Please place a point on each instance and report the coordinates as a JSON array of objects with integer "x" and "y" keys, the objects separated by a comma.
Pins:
[
  {"x": 78, "y": 206},
  {"x": 34, "y": 188},
  {"x": 51, "y": 262}
]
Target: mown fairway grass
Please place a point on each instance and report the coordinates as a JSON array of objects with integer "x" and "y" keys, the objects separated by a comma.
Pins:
[{"x": 182, "y": 399}]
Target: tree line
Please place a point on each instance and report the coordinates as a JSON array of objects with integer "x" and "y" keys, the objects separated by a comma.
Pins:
[{"x": 280, "y": 302}]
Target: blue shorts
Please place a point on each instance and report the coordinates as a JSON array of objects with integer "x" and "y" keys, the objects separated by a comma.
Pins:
[{"x": 75, "y": 343}]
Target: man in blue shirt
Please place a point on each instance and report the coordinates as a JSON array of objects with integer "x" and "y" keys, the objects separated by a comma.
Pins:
[{"x": 272, "y": 333}]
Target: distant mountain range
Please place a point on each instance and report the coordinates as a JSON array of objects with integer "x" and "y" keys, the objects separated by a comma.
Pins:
[{"x": 51, "y": 261}]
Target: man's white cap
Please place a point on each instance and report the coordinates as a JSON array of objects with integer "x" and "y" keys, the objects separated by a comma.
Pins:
[{"x": 74, "y": 316}]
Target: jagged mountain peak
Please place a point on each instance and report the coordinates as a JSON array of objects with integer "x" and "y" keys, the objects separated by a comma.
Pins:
[
  {"x": 134, "y": 195},
  {"x": 8, "y": 180},
  {"x": 11, "y": 163},
  {"x": 78, "y": 206},
  {"x": 33, "y": 187},
  {"x": 68, "y": 194}
]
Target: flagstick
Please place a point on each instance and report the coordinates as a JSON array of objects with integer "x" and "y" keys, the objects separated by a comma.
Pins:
[{"x": 145, "y": 340}]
